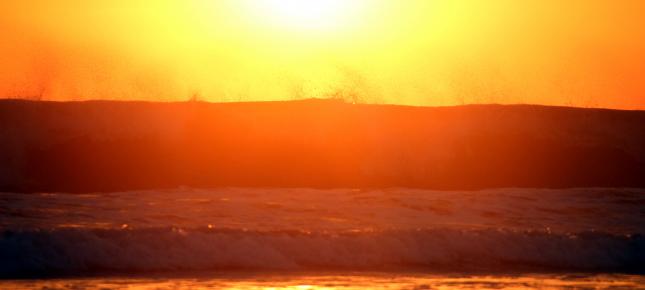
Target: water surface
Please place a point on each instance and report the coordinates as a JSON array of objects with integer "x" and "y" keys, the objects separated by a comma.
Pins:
[{"x": 494, "y": 238}]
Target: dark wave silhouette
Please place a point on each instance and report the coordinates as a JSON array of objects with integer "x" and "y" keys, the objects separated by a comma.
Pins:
[
  {"x": 85, "y": 251},
  {"x": 110, "y": 146}
]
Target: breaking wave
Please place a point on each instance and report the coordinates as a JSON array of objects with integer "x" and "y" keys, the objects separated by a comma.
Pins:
[{"x": 87, "y": 251}]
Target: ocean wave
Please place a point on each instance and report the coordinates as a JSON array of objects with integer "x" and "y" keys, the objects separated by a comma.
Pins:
[{"x": 87, "y": 251}]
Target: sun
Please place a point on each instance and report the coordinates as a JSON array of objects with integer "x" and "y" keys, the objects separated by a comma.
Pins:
[{"x": 308, "y": 14}]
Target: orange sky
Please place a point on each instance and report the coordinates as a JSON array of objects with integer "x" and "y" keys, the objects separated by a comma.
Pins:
[{"x": 414, "y": 52}]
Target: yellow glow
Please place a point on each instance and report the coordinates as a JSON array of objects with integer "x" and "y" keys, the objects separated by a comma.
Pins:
[
  {"x": 306, "y": 14},
  {"x": 412, "y": 52}
]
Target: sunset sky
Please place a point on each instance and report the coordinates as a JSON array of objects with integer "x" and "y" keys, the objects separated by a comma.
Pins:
[{"x": 587, "y": 53}]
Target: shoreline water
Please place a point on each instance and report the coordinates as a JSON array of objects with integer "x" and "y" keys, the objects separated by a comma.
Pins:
[{"x": 353, "y": 280}]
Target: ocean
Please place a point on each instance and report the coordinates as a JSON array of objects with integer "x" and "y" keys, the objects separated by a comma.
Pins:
[{"x": 298, "y": 238}]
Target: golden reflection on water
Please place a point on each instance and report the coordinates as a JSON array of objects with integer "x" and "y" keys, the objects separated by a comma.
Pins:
[{"x": 347, "y": 282}]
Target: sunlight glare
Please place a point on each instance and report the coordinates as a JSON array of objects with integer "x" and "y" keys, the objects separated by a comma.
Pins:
[{"x": 308, "y": 14}]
